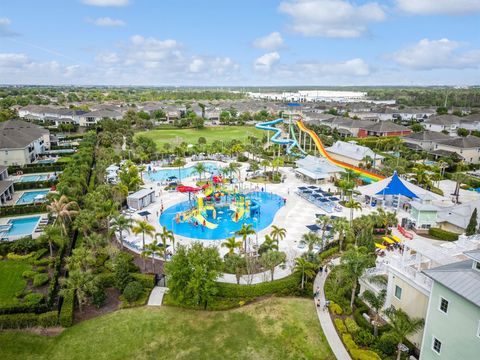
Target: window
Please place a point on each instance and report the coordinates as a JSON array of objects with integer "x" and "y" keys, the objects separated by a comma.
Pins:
[
  {"x": 436, "y": 345},
  {"x": 477, "y": 265},
  {"x": 443, "y": 305},
  {"x": 398, "y": 292},
  {"x": 478, "y": 329}
]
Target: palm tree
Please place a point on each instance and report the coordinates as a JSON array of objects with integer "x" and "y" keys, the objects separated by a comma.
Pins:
[
  {"x": 305, "y": 268},
  {"x": 264, "y": 163},
  {"x": 167, "y": 235},
  {"x": 268, "y": 244},
  {"x": 272, "y": 258},
  {"x": 352, "y": 205},
  {"x": 403, "y": 326},
  {"x": 153, "y": 249},
  {"x": 278, "y": 233},
  {"x": 340, "y": 226},
  {"x": 63, "y": 211},
  {"x": 120, "y": 224},
  {"x": 80, "y": 283},
  {"x": 246, "y": 229},
  {"x": 234, "y": 167},
  {"x": 109, "y": 208},
  {"x": 376, "y": 302},
  {"x": 52, "y": 234},
  {"x": 200, "y": 168},
  {"x": 144, "y": 228},
  {"x": 354, "y": 262},
  {"x": 231, "y": 244},
  {"x": 311, "y": 239},
  {"x": 144, "y": 255},
  {"x": 323, "y": 221}
]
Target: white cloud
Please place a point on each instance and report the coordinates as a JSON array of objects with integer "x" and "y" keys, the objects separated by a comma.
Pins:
[
  {"x": 108, "y": 22},
  {"x": 12, "y": 60},
  {"x": 106, "y": 3},
  {"x": 107, "y": 57},
  {"x": 437, "y": 54},
  {"x": 269, "y": 42},
  {"x": 266, "y": 61},
  {"x": 153, "y": 53},
  {"x": 353, "y": 67},
  {"x": 5, "y": 27},
  {"x": 331, "y": 18},
  {"x": 429, "y": 7},
  {"x": 196, "y": 65}
]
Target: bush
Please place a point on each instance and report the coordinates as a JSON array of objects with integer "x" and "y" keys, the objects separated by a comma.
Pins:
[
  {"x": 349, "y": 343},
  {"x": 23, "y": 209},
  {"x": 340, "y": 326},
  {"x": 35, "y": 185},
  {"x": 17, "y": 257},
  {"x": 442, "y": 234},
  {"x": 21, "y": 246},
  {"x": 360, "y": 320},
  {"x": 33, "y": 299},
  {"x": 98, "y": 297},
  {"x": 42, "y": 262},
  {"x": 40, "y": 279},
  {"x": 16, "y": 321},
  {"x": 364, "y": 337},
  {"x": 335, "y": 308},
  {"x": 148, "y": 281},
  {"x": 351, "y": 326},
  {"x": 105, "y": 280},
  {"x": 29, "y": 274},
  {"x": 133, "y": 291},
  {"x": 387, "y": 343},
  {"x": 286, "y": 286},
  {"x": 328, "y": 253},
  {"x": 66, "y": 312},
  {"x": 40, "y": 269},
  {"x": 360, "y": 354}
]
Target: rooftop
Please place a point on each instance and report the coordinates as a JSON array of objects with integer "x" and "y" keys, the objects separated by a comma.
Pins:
[
  {"x": 443, "y": 120},
  {"x": 352, "y": 150},
  {"x": 385, "y": 126},
  {"x": 467, "y": 142},
  {"x": 426, "y": 136},
  {"x": 18, "y": 134}
]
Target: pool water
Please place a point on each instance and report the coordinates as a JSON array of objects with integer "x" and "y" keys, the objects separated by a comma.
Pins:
[
  {"x": 46, "y": 161},
  {"x": 29, "y": 196},
  {"x": 23, "y": 226},
  {"x": 180, "y": 173},
  {"x": 269, "y": 205},
  {"x": 33, "y": 178}
]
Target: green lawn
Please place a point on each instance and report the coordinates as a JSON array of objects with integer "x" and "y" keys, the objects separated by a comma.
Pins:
[
  {"x": 11, "y": 281},
  {"x": 191, "y": 136},
  {"x": 277, "y": 328}
]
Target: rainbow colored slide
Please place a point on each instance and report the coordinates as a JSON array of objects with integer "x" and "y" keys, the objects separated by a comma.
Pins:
[{"x": 362, "y": 172}]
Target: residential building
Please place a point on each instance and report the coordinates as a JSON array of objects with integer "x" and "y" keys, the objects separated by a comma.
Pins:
[
  {"x": 353, "y": 154},
  {"x": 56, "y": 116},
  {"x": 443, "y": 123},
  {"x": 6, "y": 186},
  {"x": 423, "y": 215},
  {"x": 92, "y": 117},
  {"x": 140, "y": 199},
  {"x": 452, "y": 326},
  {"x": 455, "y": 218},
  {"x": 384, "y": 128},
  {"x": 317, "y": 169},
  {"x": 22, "y": 142},
  {"x": 346, "y": 127},
  {"x": 407, "y": 285},
  {"x": 424, "y": 140},
  {"x": 466, "y": 148}
]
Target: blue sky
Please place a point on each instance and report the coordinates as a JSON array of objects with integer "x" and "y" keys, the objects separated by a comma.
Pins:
[{"x": 235, "y": 43}]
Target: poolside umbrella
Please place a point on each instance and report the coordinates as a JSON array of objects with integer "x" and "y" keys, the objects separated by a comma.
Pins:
[
  {"x": 313, "y": 228},
  {"x": 217, "y": 179},
  {"x": 188, "y": 189},
  {"x": 144, "y": 213}
]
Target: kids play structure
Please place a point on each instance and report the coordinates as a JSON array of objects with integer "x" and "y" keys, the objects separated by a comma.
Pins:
[
  {"x": 214, "y": 199},
  {"x": 294, "y": 144}
]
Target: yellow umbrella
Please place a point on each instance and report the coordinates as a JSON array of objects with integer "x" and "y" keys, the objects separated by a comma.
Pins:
[
  {"x": 388, "y": 240},
  {"x": 396, "y": 238},
  {"x": 380, "y": 246}
]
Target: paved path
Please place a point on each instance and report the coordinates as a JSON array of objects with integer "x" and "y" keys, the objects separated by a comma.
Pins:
[
  {"x": 327, "y": 324},
  {"x": 156, "y": 296}
]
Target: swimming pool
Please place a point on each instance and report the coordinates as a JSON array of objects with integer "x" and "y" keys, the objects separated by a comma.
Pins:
[
  {"x": 20, "y": 227},
  {"x": 33, "y": 178},
  {"x": 269, "y": 205},
  {"x": 46, "y": 161},
  {"x": 179, "y": 173},
  {"x": 28, "y": 197}
]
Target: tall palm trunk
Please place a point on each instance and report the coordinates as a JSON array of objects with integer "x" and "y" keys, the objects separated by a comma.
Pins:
[{"x": 354, "y": 289}]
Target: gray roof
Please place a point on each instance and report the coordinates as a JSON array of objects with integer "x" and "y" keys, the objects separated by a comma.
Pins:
[
  {"x": 140, "y": 194},
  {"x": 3, "y": 168},
  {"x": 462, "y": 142},
  {"x": 443, "y": 120},
  {"x": 103, "y": 114},
  {"x": 470, "y": 118},
  {"x": 385, "y": 126},
  {"x": 17, "y": 134},
  {"x": 352, "y": 150},
  {"x": 426, "y": 136},
  {"x": 473, "y": 254},
  {"x": 459, "y": 215},
  {"x": 4, "y": 185},
  {"x": 459, "y": 277}
]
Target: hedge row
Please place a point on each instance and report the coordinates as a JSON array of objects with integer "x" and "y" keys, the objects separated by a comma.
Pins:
[
  {"x": 285, "y": 286},
  {"x": 35, "y": 184},
  {"x": 16, "y": 321},
  {"x": 147, "y": 280},
  {"x": 66, "y": 313},
  {"x": 24, "y": 308},
  {"x": 23, "y": 209},
  {"x": 36, "y": 168},
  {"x": 442, "y": 234},
  {"x": 53, "y": 288}
]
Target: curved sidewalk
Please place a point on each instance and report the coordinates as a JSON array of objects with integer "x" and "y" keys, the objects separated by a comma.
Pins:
[{"x": 326, "y": 322}]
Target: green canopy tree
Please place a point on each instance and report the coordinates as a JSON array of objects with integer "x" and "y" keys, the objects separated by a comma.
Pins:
[
  {"x": 306, "y": 269},
  {"x": 402, "y": 326},
  {"x": 376, "y": 302},
  {"x": 472, "y": 224}
]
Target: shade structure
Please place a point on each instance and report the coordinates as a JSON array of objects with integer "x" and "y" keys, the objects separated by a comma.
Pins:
[
  {"x": 313, "y": 227},
  {"x": 187, "y": 189},
  {"x": 144, "y": 213},
  {"x": 396, "y": 186}
]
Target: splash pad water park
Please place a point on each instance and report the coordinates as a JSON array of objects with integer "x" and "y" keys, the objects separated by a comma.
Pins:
[{"x": 217, "y": 210}]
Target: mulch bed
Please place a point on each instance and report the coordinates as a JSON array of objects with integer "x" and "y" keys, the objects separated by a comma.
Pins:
[{"x": 90, "y": 311}]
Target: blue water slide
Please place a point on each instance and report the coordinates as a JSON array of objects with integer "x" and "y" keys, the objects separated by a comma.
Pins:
[{"x": 267, "y": 126}]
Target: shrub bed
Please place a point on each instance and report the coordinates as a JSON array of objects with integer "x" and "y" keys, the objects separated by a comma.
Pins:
[
  {"x": 36, "y": 168},
  {"x": 66, "y": 312},
  {"x": 16, "y": 321},
  {"x": 148, "y": 281},
  {"x": 23, "y": 209},
  {"x": 35, "y": 185},
  {"x": 442, "y": 234}
]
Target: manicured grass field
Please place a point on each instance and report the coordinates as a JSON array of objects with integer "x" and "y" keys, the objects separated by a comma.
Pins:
[
  {"x": 277, "y": 328},
  {"x": 190, "y": 136},
  {"x": 11, "y": 280}
]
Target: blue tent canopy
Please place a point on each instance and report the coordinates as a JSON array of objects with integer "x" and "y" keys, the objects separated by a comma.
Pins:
[{"x": 396, "y": 187}]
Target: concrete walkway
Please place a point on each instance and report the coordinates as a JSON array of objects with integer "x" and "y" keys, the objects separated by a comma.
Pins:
[
  {"x": 156, "y": 296},
  {"x": 326, "y": 322}
]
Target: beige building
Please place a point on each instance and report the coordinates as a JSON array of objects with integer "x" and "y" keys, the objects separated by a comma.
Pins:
[
  {"x": 22, "y": 142},
  {"x": 354, "y": 154},
  {"x": 464, "y": 148}
]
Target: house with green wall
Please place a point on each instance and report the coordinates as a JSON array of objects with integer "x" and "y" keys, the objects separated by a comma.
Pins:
[
  {"x": 452, "y": 324},
  {"x": 423, "y": 215}
]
